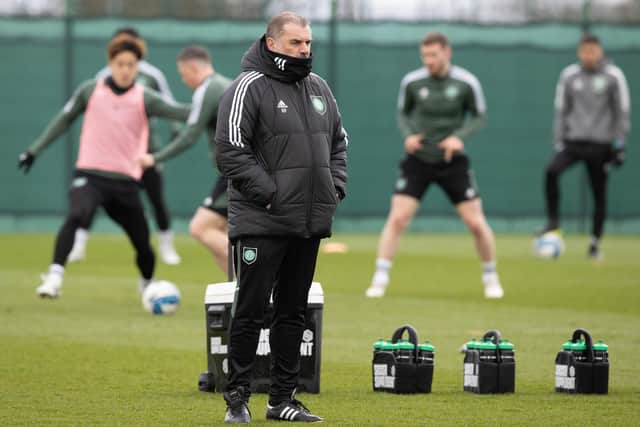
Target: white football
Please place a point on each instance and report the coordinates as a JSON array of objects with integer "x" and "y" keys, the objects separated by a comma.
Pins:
[
  {"x": 161, "y": 297},
  {"x": 548, "y": 245}
]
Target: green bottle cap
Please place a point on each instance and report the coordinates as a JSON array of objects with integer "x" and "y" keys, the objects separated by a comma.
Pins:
[
  {"x": 568, "y": 345},
  {"x": 472, "y": 345},
  {"x": 579, "y": 346},
  {"x": 600, "y": 346},
  {"x": 406, "y": 345},
  {"x": 388, "y": 346},
  {"x": 506, "y": 345},
  {"x": 427, "y": 346},
  {"x": 486, "y": 345}
]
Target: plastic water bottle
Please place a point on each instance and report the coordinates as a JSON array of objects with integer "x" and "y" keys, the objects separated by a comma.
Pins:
[
  {"x": 389, "y": 346},
  {"x": 600, "y": 352},
  {"x": 600, "y": 368},
  {"x": 426, "y": 352},
  {"x": 406, "y": 351},
  {"x": 378, "y": 345},
  {"x": 507, "y": 350},
  {"x": 579, "y": 349}
]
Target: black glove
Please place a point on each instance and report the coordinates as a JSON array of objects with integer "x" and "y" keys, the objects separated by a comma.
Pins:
[
  {"x": 25, "y": 161},
  {"x": 617, "y": 154}
]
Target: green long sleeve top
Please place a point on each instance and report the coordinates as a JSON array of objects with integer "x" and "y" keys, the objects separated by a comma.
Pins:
[
  {"x": 204, "y": 115},
  {"x": 437, "y": 107}
]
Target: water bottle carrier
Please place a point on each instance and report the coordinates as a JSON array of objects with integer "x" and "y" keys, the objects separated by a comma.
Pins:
[
  {"x": 581, "y": 367},
  {"x": 489, "y": 365},
  {"x": 401, "y": 367}
]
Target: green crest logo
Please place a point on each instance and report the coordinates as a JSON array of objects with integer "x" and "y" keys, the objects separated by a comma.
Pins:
[
  {"x": 319, "y": 104},
  {"x": 599, "y": 84},
  {"x": 401, "y": 183},
  {"x": 249, "y": 255},
  {"x": 451, "y": 92}
]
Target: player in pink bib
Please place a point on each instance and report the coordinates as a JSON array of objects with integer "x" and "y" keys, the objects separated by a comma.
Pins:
[{"x": 114, "y": 137}]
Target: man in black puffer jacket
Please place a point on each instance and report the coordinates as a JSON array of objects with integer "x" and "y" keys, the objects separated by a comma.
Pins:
[{"x": 281, "y": 144}]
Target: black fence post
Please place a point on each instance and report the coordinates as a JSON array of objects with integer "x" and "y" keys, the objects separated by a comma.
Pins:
[
  {"x": 583, "y": 214},
  {"x": 332, "y": 48},
  {"x": 68, "y": 87}
]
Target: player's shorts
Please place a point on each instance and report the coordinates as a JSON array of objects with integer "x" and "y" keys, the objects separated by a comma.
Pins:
[
  {"x": 455, "y": 178},
  {"x": 218, "y": 200},
  {"x": 119, "y": 197}
]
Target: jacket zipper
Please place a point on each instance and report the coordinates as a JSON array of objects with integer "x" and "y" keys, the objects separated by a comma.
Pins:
[{"x": 308, "y": 134}]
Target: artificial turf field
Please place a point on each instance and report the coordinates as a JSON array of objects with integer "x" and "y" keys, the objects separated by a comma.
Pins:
[{"x": 94, "y": 357}]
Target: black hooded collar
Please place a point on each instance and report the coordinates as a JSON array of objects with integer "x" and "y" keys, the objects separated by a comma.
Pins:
[{"x": 281, "y": 67}]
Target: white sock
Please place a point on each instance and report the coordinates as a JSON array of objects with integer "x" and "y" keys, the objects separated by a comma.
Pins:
[
  {"x": 595, "y": 241},
  {"x": 165, "y": 237},
  {"x": 81, "y": 237},
  {"x": 488, "y": 267},
  {"x": 144, "y": 282},
  {"x": 56, "y": 269},
  {"x": 383, "y": 265}
]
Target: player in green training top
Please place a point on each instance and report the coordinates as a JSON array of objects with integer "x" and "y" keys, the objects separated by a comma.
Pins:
[
  {"x": 439, "y": 106},
  {"x": 209, "y": 224}
]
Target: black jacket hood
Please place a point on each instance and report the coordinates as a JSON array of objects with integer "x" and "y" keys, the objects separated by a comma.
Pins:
[{"x": 281, "y": 67}]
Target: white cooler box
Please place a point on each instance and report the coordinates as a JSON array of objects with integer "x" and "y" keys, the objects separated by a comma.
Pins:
[{"x": 218, "y": 301}]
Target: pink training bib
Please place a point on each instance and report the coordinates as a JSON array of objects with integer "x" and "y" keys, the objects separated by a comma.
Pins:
[{"x": 115, "y": 133}]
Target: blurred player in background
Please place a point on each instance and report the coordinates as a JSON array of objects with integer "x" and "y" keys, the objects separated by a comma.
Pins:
[
  {"x": 209, "y": 224},
  {"x": 440, "y": 105},
  {"x": 151, "y": 77},
  {"x": 592, "y": 107},
  {"x": 115, "y": 134}
]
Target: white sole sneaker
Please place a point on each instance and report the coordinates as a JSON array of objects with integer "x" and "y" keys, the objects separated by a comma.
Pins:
[
  {"x": 169, "y": 256},
  {"x": 492, "y": 287},
  {"x": 50, "y": 287},
  {"x": 375, "y": 291},
  {"x": 378, "y": 286}
]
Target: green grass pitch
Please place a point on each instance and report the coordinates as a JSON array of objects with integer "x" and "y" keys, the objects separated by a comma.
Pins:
[{"x": 94, "y": 357}]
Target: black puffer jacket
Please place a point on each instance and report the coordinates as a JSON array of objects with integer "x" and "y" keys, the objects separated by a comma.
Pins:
[{"x": 281, "y": 143}]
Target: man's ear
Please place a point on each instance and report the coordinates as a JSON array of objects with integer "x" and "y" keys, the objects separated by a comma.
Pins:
[{"x": 271, "y": 43}]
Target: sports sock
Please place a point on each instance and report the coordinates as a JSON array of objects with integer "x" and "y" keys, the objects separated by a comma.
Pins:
[
  {"x": 488, "y": 267},
  {"x": 383, "y": 265},
  {"x": 81, "y": 237},
  {"x": 56, "y": 269},
  {"x": 165, "y": 237}
]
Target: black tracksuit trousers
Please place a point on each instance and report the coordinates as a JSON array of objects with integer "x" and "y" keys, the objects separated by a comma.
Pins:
[
  {"x": 284, "y": 266},
  {"x": 121, "y": 200},
  {"x": 596, "y": 158},
  {"x": 152, "y": 183}
]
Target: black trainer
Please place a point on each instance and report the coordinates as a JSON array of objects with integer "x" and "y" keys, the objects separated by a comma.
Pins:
[
  {"x": 237, "y": 409},
  {"x": 594, "y": 252},
  {"x": 292, "y": 410}
]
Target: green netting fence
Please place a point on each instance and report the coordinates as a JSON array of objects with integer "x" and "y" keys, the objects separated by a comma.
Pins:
[{"x": 44, "y": 59}]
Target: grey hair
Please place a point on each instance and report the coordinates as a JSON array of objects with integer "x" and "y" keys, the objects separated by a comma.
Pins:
[{"x": 277, "y": 23}]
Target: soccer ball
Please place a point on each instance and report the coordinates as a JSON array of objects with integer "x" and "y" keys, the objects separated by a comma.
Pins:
[
  {"x": 548, "y": 245},
  {"x": 161, "y": 297}
]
